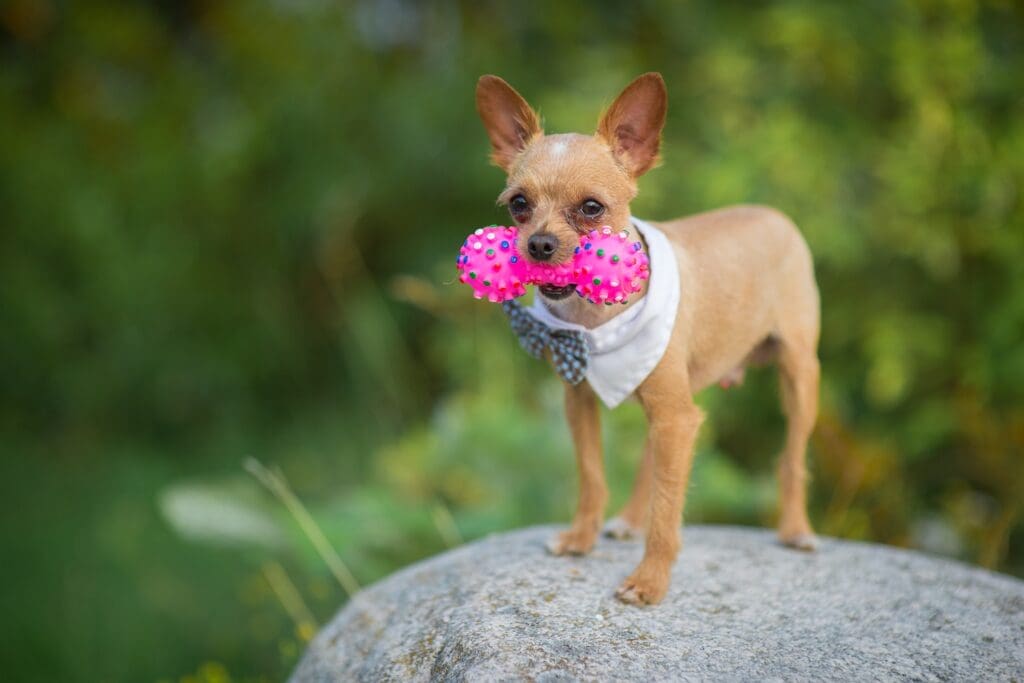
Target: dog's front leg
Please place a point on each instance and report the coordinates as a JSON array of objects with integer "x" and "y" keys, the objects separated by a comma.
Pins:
[
  {"x": 584, "y": 422},
  {"x": 673, "y": 424}
]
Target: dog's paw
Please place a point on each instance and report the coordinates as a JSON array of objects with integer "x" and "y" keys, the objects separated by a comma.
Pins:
[
  {"x": 806, "y": 542},
  {"x": 572, "y": 542},
  {"x": 637, "y": 590},
  {"x": 620, "y": 529}
]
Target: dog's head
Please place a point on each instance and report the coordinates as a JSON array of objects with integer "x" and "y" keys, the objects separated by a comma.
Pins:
[{"x": 561, "y": 186}]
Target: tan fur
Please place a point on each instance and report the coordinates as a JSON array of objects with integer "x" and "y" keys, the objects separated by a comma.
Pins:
[{"x": 747, "y": 296}]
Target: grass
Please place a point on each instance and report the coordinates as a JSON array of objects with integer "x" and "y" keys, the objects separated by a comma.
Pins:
[{"x": 98, "y": 586}]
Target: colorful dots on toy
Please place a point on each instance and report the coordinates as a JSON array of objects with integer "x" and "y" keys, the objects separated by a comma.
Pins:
[
  {"x": 613, "y": 279},
  {"x": 605, "y": 268},
  {"x": 507, "y": 273}
]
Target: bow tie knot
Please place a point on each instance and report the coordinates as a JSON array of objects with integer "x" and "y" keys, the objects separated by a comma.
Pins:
[{"x": 569, "y": 351}]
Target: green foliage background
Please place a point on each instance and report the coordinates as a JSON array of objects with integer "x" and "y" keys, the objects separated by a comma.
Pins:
[{"x": 229, "y": 229}]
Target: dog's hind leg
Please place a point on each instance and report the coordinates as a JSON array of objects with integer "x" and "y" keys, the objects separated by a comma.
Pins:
[
  {"x": 584, "y": 422},
  {"x": 631, "y": 522},
  {"x": 798, "y": 379}
]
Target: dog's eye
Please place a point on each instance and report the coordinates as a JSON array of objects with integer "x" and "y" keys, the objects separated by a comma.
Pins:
[
  {"x": 519, "y": 207},
  {"x": 591, "y": 208}
]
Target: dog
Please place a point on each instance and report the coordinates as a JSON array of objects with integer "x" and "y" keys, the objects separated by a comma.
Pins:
[{"x": 744, "y": 293}]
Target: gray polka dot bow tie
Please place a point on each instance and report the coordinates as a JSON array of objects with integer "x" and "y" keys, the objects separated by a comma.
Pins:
[{"x": 569, "y": 350}]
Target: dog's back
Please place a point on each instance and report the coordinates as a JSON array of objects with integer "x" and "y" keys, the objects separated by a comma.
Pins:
[{"x": 746, "y": 276}]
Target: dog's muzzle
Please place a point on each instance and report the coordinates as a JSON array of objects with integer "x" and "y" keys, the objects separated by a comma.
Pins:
[{"x": 555, "y": 293}]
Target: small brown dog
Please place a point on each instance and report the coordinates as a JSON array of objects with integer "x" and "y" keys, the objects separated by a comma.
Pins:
[{"x": 747, "y": 295}]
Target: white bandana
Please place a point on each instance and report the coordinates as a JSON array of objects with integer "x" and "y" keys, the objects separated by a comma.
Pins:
[{"x": 625, "y": 349}]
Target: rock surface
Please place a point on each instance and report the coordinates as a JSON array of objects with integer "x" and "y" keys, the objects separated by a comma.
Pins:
[{"x": 740, "y": 608}]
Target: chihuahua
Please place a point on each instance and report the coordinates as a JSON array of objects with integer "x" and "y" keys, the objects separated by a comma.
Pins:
[{"x": 746, "y": 295}]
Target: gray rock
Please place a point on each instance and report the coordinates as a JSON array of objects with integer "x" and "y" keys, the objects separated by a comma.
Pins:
[{"x": 740, "y": 608}]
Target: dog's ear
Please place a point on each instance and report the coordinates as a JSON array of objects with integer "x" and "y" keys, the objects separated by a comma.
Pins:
[
  {"x": 632, "y": 125},
  {"x": 509, "y": 120}
]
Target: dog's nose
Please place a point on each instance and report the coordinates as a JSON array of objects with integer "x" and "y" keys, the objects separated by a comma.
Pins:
[{"x": 542, "y": 245}]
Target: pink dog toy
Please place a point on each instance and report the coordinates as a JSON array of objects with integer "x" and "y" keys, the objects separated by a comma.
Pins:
[{"x": 605, "y": 268}]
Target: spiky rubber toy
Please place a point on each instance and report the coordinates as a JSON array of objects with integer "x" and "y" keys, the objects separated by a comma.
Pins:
[{"x": 606, "y": 267}]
